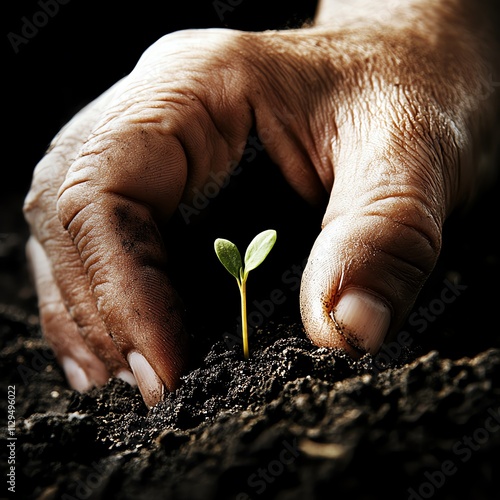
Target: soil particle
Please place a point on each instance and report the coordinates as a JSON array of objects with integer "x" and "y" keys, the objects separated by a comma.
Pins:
[{"x": 293, "y": 422}]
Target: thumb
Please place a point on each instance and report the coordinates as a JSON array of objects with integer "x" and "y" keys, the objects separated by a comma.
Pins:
[{"x": 380, "y": 239}]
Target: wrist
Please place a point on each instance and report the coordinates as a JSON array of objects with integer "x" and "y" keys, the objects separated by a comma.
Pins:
[
  {"x": 476, "y": 15},
  {"x": 454, "y": 26}
]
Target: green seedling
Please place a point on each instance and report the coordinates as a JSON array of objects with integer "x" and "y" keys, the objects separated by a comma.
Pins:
[{"x": 230, "y": 257}]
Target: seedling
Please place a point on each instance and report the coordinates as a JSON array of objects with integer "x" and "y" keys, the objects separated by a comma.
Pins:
[{"x": 230, "y": 257}]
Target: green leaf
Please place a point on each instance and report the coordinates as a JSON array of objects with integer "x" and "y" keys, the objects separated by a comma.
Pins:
[
  {"x": 258, "y": 249},
  {"x": 229, "y": 255}
]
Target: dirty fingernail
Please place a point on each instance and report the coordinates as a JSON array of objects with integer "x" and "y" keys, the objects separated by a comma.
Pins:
[
  {"x": 149, "y": 383},
  {"x": 75, "y": 374},
  {"x": 127, "y": 376},
  {"x": 363, "y": 319}
]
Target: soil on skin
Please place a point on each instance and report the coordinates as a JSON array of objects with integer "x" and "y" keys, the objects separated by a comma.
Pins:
[{"x": 294, "y": 421}]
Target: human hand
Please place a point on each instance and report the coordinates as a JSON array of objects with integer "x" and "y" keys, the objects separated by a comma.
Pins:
[{"x": 393, "y": 147}]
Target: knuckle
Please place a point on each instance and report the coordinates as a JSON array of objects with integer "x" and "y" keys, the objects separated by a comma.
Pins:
[
  {"x": 70, "y": 201},
  {"x": 47, "y": 178},
  {"x": 83, "y": 182},
  {"x": 190, "y": 42},
  {"x": 410, "y": 234}
]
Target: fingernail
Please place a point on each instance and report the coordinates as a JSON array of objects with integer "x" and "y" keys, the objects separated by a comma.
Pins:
[
  {"x": 363, "y": 319},
  {"x": 149, "y": 383},
  {"x": 77, "y": 378},
  {"x": 127, "y": 376}
]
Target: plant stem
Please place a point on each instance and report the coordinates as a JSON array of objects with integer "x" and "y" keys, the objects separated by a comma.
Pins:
[{"x": 244, "y": 326}]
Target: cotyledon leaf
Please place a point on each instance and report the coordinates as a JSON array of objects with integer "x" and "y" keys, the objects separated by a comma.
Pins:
[
  {"x": 229, "y": 255},
  {"x": 258, "y": 249}
]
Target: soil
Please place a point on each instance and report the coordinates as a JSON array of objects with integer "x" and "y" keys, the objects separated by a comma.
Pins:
[{"x": 294, "y": 421}]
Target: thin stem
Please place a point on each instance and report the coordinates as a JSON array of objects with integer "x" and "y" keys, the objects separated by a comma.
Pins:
[{"x": 244, "y": 326}]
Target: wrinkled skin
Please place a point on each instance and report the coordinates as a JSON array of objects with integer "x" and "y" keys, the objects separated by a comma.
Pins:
[{"x": 391, "y": 122}]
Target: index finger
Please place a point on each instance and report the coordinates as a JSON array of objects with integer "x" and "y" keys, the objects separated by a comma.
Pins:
[
  {"x": 128, "y": 178},
  {"x": 107, "y": 204}
]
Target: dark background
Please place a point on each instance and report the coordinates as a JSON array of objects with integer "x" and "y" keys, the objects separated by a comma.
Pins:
[
  {"x": 86, "y": 47},
  {"x": 78, "y": 52}
]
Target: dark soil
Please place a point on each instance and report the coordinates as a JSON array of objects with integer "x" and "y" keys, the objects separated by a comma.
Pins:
[{"x": 292, "y": 422}]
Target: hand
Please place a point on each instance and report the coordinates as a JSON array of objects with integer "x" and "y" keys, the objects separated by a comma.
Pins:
[{"x": 385, "y": 119}]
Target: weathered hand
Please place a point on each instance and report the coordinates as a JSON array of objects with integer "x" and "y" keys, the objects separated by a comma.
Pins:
[{"x": 387, "y": 119}]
